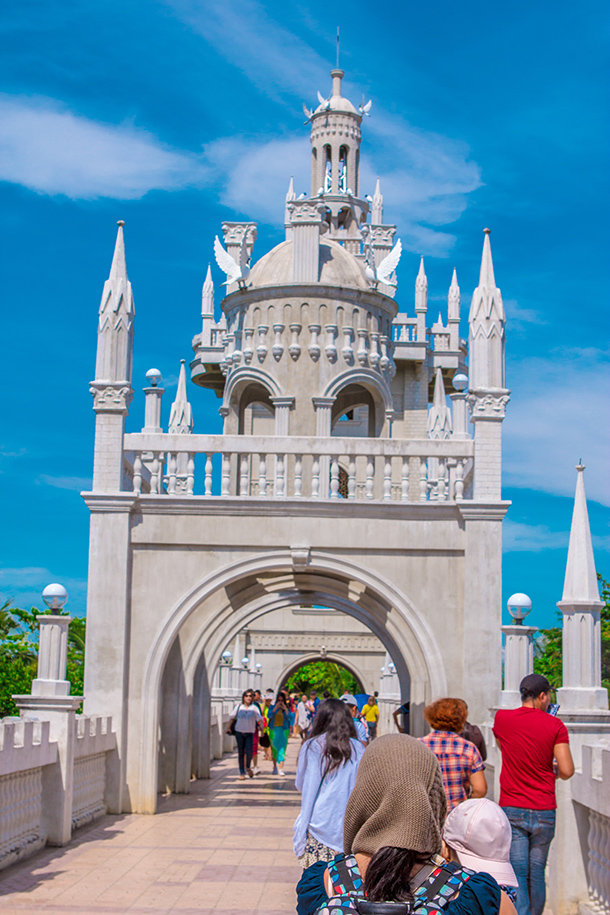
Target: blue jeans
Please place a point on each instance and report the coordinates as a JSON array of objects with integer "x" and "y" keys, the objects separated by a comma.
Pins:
[
  {"x": 533, "y": 832},
  {"x": 244, "y": 750}
]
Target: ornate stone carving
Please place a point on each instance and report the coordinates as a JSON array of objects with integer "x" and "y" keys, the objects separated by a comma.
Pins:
[
  {"x": 306, "y": 211},
  {"x": 305, "y": 642},
  {"x": 111, "y": 397},
  {"x": 233, "y": 233},
  {"x": 488, "y": 405}
]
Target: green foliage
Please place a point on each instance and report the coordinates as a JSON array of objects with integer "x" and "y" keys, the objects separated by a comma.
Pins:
[
  {"x": 19, "y": 653},
  {"x": 321, "y": 675},
  {"x": 548, "y": 647}
]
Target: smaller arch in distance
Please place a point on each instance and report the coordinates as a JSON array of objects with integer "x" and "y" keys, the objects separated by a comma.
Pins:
[{"x": 314, "y": 657}]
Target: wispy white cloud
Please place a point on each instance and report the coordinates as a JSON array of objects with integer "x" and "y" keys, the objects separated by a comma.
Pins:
[
  {"x": 559, "y": 414},
  {"x": 52, "y": 150},
  {"x": 520, "y": 318},
  {"x": 531, "y": 538},
  {"x": 78, "y": 484}
]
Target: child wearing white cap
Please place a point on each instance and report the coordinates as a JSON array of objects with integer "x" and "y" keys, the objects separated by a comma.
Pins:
[{"x": 477, "y": 833}]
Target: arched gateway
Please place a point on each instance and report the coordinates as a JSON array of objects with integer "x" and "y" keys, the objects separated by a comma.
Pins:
[{"x": 342, "y": 479}]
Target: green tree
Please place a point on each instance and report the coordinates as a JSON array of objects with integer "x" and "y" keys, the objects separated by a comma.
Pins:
[
  {"x": 323, "y": 675},
  {"x": 19, "y": 631},
  {"x": 548, "y": 647}
]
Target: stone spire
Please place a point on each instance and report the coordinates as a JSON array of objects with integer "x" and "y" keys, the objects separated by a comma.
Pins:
[
  {"x": 487, "y": 322},
  {"x": 207, "y": 295},
  {"x": 439, "y": 417},
  {"x": 290, "y": 196},
  {"x": 580, "y": 585},
  {"x": 115, "y": 325},
  {"x": 181, "y": 416},
  {"x": 453, "y": 313},
  {"x": 377, "y": 209},
  {"x": 580, "y": 605},
  {"x": 421, "y": 301}
]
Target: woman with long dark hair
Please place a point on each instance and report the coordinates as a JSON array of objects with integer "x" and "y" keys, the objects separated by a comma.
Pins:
[
  {"x": 326, "y": 774},
  {"x": 245, "y": 720}
]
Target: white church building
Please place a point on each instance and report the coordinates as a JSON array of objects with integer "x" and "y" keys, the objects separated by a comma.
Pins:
[
  {"x": 343, "y": 479},
  {"x": 350, "y": 510}
]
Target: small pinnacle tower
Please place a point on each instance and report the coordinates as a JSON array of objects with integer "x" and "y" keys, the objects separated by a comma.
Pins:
[
  {"x": 377, "y": 209},
  {"x": 487, "y": 322},
  {"x": 453, "y": 313},
  {"x": 581, "y": 607},
  {"x": 439, "y": 416},
  {"x": 111, "y": 388}
]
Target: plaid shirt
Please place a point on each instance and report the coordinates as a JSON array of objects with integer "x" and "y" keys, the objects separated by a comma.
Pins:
[{"x": 458, "y": 759}]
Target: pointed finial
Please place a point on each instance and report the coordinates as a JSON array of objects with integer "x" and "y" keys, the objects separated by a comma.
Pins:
[
  {"x": 338, "y": 47},
  {"x": 290, "y": 194},
  {"x": 421, "y": 288},
  {"x": 487, "y": 268},
  {"x": 120, "y": 222},
  {"x": 207, "y": 295},
  {"x": 181, "y": 416},
  {"x": 439, "y": 416},
  {"x": 581, "y": 579},
  {"x": 377, "y": 209},
  {"x": 454, "y": 299},
  {"x": 119, "y": 265}
]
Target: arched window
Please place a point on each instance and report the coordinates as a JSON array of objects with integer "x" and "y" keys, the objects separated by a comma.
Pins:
[
  {"x": 343, "y": 170},
  {"x": 353, "y": 414},
  {"x": 256, "y": 412},
  {"x": 328, "y": 170}
]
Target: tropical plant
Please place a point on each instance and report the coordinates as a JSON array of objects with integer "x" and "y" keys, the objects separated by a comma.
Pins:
[
  {"x": 323, "y": 675},
  {"x": 19, "y": 631}
]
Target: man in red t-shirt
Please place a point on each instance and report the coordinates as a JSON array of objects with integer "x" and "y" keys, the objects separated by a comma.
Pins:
[{"x": 535, "y": 751}]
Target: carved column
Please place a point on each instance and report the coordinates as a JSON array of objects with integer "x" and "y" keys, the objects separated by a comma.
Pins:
[
  {"x": 518, "y": 661},
  {"x": 488, "y": 408},
  {"x": 306, "y": 219}
]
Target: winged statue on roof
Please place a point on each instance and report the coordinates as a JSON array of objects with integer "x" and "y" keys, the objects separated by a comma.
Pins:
[{"x": 236, "y": 272}]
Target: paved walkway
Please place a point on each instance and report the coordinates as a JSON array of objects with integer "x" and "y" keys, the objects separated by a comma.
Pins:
[{"x": 225, "y": 848}]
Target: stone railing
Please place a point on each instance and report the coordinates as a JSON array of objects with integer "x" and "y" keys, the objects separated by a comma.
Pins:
[
  {"x": 591, "y": 788},
  {"x": 29, "y": 771},
  {"x": 387, "y": 470}
]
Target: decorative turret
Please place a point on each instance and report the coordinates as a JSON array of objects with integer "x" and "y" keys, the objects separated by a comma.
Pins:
[
  {"x": 488, "y": 396},
  {"x": 453, "y": 313},
  {"x": 421, "y": 300},
  {"x": 377, "y": 208},
  {"x": 290, "y": 196},
  {"x": 487, "y": 321},
  {"x": 181, "y": 415},
  {"x": 581, "y": 606},
  {"x": 439, "y": 416},
  {"x": 115, "y": 326},
  {"x": 111, "y": 389},
  {"x": 207, "y": 308}
]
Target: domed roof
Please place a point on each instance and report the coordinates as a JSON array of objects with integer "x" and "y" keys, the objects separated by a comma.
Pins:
[{"x": 337, "y": 267}]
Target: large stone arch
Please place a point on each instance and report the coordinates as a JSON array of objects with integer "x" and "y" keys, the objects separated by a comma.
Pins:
[
  {"x": 209, "y": 615},
  {"x": 310, "y": 657}
]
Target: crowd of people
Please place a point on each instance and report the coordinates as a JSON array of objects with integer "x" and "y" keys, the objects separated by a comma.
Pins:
[{"x": 405, "y": 822}]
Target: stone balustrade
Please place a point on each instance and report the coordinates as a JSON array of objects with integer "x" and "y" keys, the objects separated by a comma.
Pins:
[
  {"x": 301, "y": 468},
  {"x": 29, "y": 760},
  {"x": 591, "y": 788}
]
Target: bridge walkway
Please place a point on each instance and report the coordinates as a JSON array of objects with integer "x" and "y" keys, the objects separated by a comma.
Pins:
[{"x": 225, "y": 848}]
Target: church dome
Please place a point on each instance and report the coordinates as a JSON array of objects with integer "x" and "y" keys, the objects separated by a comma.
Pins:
[{"x": 337, "y": 267}]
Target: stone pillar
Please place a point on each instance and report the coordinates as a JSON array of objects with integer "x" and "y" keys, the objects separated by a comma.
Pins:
[
  {"x": 518, "y": 661},
  {"x": 581, "y": 681},
  {"x": 111, "y": 403},
  {"x": 107, "y": 643},
  {"x": 479, "y": 682},
  {"x": 488, "y": 410},
  {"x": 282, "y": 405},
  {"x": 224, "y": 683},
  {"x": 460, "y": 416},
  {"x": 152, "y": 409},
  {"x": 52, "y": 655},
  {"x": 50, "y": 701},
  {"x": 306, "y": 219}
]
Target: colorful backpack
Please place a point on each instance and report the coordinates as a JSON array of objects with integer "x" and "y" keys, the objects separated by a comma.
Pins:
[{"x": 433, "y": 887}]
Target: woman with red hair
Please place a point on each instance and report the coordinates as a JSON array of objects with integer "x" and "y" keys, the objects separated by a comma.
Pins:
[{"x": 461, "y": 764}]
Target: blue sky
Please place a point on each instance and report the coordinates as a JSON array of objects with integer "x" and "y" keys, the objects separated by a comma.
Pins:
[{"x": 177, "y": 115}]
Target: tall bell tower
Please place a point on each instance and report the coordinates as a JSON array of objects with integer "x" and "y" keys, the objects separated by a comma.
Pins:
[{"x": 335, "y": 164}]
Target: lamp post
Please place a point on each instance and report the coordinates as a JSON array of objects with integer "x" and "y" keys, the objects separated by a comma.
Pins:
[
  {"x": 460, "y": 406},
  {"x": 518, "y": 649},
  {"x": 225, "y": 670},
  {"x": 50, "y": 700}
]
